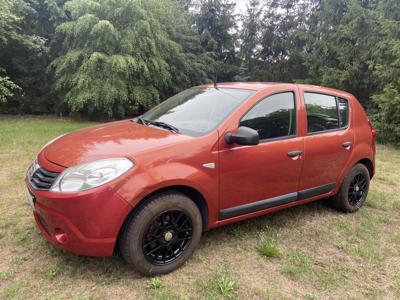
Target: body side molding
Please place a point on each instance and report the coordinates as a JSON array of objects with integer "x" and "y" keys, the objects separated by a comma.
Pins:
[
  {"x": 255, "y": 206},
  {"x": 275, "y": 201},
  {"x": 319, "y": 190}
]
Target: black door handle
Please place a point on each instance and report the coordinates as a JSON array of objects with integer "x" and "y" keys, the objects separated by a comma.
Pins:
[
  {"x": 347, "y": 144},
  {"x": 295, "y": 153}
]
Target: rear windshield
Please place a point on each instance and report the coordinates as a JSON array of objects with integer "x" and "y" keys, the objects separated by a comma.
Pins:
[{"x": 198, "y": 111}]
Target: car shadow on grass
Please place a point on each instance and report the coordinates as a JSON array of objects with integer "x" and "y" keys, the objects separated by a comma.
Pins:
[{"x": 288, "y": 218}]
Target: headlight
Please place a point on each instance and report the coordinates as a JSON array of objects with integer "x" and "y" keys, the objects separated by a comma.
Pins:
[
  {"x": 86, "y": 176},
  {"x": 53, "y": 140}
]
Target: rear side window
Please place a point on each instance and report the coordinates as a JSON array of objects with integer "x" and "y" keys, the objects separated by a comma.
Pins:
[
  {"x": 273, "y": 117},
  {"x": 325, "y": 112}
]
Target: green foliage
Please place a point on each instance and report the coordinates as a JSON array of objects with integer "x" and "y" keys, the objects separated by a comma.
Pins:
[
  {"x": 250, "y": 34},
  {"x": 26, "y": 28},
  {"x": 115, "y": 58},
  {"x": 120, "y": 57},
  {"x": 216, "y": 24},
  {"x": 347, "y": 44},
  {"x": 8, "y": 21},
  {"x": 273, "y": 40},
  {"x": 341, "y": 41},
  {"x": 385, "y": 67},
  {"x": 7, "y": 88},
  {"x": 388, "y": 116},
  {"x": 8, "y": 31}
]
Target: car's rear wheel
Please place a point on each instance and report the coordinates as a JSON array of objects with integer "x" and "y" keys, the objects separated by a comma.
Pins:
[
  {"x": 354, "y": 190},
  {"x": 162, "y": 235}
]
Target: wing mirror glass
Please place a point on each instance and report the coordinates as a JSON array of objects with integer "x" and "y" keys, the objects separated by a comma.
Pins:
[{"x": 243, "y": 136}]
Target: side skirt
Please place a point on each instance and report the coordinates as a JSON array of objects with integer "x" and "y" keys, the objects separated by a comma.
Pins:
[{"x": 275, "y": 201}]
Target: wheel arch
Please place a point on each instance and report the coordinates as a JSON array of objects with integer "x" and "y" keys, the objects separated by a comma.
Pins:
[
  {"x": 360, "y": 159},
  {"x": 368, "y": 164},
  {"x": 188, "y": 191}
]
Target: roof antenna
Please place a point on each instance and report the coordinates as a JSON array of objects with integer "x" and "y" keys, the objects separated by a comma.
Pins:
[{"x": 215, "y": 81}]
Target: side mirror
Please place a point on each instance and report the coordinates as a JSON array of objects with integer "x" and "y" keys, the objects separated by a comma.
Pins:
[{"x": 243, "y": 136}]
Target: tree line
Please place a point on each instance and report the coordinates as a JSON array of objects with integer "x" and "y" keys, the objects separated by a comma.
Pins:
[{"x": 117, "y": 58}]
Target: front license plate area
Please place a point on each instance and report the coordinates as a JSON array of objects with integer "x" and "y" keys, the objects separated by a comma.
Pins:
[{"x": 30, "y": 198}]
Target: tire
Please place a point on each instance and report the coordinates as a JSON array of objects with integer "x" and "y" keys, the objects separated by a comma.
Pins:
[
  {"x": 162, "y": 235},
  {"x": 354, "y": 190}
]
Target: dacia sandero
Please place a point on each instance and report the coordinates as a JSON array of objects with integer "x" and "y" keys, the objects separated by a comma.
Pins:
[{"x": 211, "y": 155}]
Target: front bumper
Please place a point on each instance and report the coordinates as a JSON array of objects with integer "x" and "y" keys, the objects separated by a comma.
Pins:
[{"x": 90, "y": 221}]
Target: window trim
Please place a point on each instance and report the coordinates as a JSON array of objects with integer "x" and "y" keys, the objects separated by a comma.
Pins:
[
  {"x": 348, "y": 111},
  {"x": 295, "y": 117},
  {"x": 337, "y": 109}
]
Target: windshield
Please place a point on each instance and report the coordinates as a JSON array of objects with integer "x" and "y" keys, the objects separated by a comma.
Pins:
[{"x": 197, "y": 111}]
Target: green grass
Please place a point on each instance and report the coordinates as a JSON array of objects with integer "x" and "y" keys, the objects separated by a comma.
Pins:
[
  {"x": 306, "y": 252},
  {"x": 298, "y": 264},
  {"x": 51, "y": 271},
  {"x": 223, "y": 284},
  {"x": 155, "y": 283},
  {"x": 269, "y": 248}
]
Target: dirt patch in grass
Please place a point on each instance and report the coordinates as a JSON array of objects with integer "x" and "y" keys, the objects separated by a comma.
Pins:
[{"x": 308, "y": 252}]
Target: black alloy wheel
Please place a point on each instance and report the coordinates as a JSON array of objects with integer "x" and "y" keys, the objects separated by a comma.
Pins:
[
  {"x": 162, "y": 234},
  {"x": 357, "y": 189},
  {"x": 167, "y": 237},
  {"x": 354, "y": 190}
]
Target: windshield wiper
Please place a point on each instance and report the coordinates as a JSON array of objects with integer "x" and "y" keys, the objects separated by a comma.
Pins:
[
  {"x": 141, "y": 121},
  {"x": 158, "y": 124},
  {"x": 163, "y": 125}
]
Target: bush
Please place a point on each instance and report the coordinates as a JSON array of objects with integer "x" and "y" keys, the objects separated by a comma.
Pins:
[{"x": 387, "y": 118}]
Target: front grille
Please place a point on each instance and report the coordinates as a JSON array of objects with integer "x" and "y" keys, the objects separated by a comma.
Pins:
[{"x": 41, "y": 179}]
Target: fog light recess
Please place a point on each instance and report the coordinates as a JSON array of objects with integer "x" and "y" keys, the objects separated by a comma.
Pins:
[{"x": 60, "y": 236}]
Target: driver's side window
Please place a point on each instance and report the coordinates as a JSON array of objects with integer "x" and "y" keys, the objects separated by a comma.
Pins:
[{"x": 273, "y": 117}]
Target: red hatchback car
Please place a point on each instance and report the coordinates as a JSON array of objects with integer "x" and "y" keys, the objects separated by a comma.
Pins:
[{"x": 208, "y": 156}]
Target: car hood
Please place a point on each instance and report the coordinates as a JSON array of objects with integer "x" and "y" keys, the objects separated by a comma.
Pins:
[{"x": 115, "y": 139}]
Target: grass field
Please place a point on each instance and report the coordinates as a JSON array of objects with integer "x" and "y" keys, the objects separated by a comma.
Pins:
[{"x": 307, "y": 252}]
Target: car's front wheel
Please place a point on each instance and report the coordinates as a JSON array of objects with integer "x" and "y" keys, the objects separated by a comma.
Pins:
[
  {"x": 162, "y": 235},
  {"x": 354, "y": 190}
]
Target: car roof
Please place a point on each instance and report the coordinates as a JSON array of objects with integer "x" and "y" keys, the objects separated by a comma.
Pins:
[
  {"x": 259, "y": 86},
  {"x": 256, "y": 86}
]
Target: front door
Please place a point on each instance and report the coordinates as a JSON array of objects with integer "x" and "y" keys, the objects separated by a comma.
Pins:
[{"x": 253, "y": 178}]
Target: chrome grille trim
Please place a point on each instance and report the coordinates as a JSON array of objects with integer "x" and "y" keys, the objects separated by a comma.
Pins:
[{"x": 40, "y": 178}]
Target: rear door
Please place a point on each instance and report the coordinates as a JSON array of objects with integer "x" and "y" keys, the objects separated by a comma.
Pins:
[{"x": 328, "y": 142}]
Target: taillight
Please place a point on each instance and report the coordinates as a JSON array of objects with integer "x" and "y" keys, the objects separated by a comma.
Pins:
[{"x": 373, "y": 130}]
